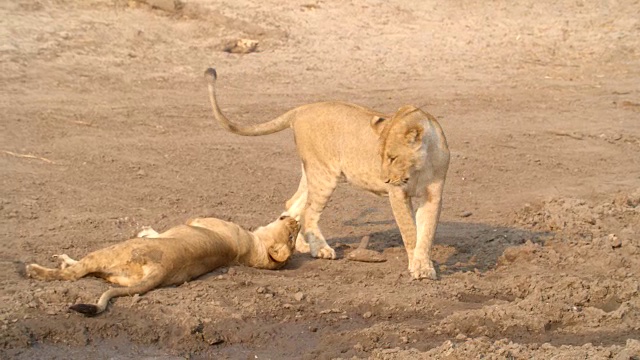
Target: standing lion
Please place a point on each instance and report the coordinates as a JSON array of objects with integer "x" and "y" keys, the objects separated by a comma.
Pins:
[{"x": 402, "y": 155}]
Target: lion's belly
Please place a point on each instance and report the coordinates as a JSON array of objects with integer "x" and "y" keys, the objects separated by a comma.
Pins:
[
  {"x": 368, "y": 183},
  {"x": 197, "y": 268}
]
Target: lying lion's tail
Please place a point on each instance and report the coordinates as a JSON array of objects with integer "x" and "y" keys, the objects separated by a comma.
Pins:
[
  {"x": 278, "y": 124},
  {"x": 149, "y": 283}
]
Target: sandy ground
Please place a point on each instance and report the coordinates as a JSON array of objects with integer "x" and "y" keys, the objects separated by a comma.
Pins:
[{"x": 106, "y": 127}]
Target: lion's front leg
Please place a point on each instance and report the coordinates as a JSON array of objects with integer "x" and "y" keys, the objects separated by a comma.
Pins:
[
  {"x": 403, "y": 213},
  {"x": 427, "y": 217}
]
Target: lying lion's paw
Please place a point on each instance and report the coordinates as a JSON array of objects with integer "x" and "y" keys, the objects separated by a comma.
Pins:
[
  {"x": 147, "y": 232},
  {"x": 423, "y": 269},
  {"x": 30, "y": 271}
]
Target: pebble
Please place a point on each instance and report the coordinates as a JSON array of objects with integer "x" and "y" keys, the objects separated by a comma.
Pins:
[
  {"x": 367, "y": 315},
  {"x": 135, "y": 299},
  {"x": 614, "y": 241},
  {"x": 466, "y": 214},
  {"x": 299, "y": 296}
]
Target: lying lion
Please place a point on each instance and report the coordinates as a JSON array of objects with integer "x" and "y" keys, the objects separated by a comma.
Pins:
[
  {"x": 403, "y": 155},
  {"x": 175, "y": 256}
]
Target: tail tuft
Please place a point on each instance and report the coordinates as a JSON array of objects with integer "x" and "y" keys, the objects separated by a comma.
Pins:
[
  {"x": 85, "y": 309},
  {"x": 211, "y": 75}
]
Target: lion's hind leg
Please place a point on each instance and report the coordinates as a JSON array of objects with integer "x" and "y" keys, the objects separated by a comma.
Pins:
[
  {"x": 321, "y": 182},
  {"x": 295, "y": 207},
  {"x": 150, "y": 282},
  {"x": 65, "y": 260},
  {"x": 73, "y": 272}
]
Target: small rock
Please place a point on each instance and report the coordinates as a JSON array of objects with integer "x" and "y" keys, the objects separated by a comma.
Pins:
[
  {"x": 287, "y": 306},
  {"x": 404, "y": 339},
  {"x": 358, "y": 347},
  {"x": 461, "y": 337},
  {"x": 268, "y": 296},
  {"x": 367, "y": 315},
  {"x": 141, "y": 173},
  {"x": 135, "y": 299},
  {"x": 313, "y": 329},
  {"x": 614, "y": 241},
  {"x": 261, "y": 290},
  {"x": 390, "y": 351},
  {"x": 465, "y": 214},
  {"x": 231, "y": 271},
  {"x": 166, "y": 5},
  {"x": 241, "y": 46},
  {"x": 299, "y": 296}
]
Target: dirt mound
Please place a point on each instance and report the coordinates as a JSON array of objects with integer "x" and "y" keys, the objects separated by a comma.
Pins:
[{"x": 610, "y": 222}]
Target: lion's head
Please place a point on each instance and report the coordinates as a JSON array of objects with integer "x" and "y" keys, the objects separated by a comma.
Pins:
[
  {"x": 279, "y": 238},
  {"x": 400, "y": 144}
]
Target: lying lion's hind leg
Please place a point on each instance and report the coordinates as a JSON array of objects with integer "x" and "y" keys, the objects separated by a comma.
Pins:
[
  {"x": 73, "y": 272},
  {"x": 152, "y": 281},
  {"x": 65, "y": 260}
]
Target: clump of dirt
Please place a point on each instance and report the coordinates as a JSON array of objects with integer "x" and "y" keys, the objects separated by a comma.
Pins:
[{"x": 611, "y": 222}]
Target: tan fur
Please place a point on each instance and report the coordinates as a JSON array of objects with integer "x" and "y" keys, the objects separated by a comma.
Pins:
[
  {"x": 404, "y": 155},
  {"x": 178, "y": 255}
]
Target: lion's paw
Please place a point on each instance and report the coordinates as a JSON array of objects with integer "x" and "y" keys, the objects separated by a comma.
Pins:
[
  {"x": 423, "y": 269},
  {"x": 325, "y": 252},
  {"x": 31, "y": 271},
  {"x": 147, "y": 232}
]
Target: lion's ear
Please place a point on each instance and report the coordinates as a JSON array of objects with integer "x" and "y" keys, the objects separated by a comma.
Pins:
[
  {"x": 378, "y": 123},
  {"x": 279, "y": 252},
  {"x": 413, "y": 135}
]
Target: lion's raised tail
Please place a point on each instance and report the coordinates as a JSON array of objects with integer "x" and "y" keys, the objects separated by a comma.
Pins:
[
  {"x": 278, "y": 124},
  {"x": 149, "y": 283}
]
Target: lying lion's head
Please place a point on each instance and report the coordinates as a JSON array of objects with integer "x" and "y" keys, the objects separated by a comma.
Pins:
[
  {"x": 280, "y": 238},
  {"x": 400, "y": 144}
]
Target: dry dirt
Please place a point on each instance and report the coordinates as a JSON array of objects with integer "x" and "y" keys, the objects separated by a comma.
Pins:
[{"x": 106, "y": 127}]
